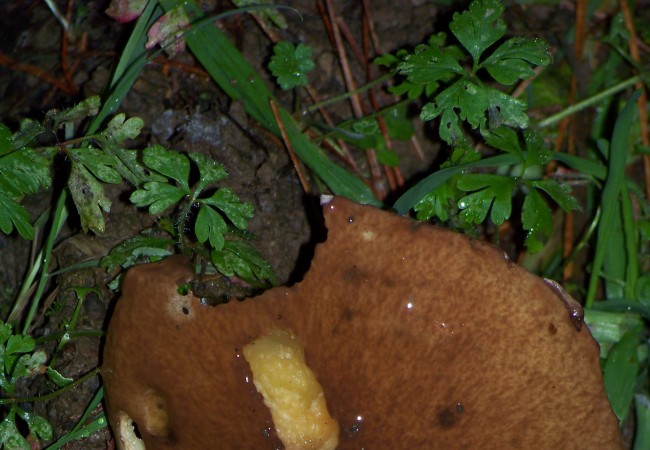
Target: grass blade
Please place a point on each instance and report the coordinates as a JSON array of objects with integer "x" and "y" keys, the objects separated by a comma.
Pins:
[
  {"x": 417, "y": 192},
  {"x": 133, "y": 59},
  {"x": 237, "y": 78},
  {"x": 615, "y": 178}
]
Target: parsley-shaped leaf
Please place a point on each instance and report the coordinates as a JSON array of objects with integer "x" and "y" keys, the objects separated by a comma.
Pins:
[
  {"x": 506, "y": 109},
  {"x": 559, "y": 192},
  {"x": 98, "y": 162},
  {"x": 227, "y": 201},
  {"x": 513, "y": 60},
  {"x": 537, "y": 152},
  {"x": 479, "y": 27},
  {"x": 157, "y": 195},
  {"x": 25, "y": 171},
  {"x": 86, "y": 108},
  {"x": 290, "y": 64},
  {"x": 493, "y": 191},
  {"x": 88, "y": 195},
  {"x": 15, "y": 347},
  {"x": 470, "y": 100},
  {"x": 429, "y": 64},
  {"x": 10, "y": 437},
  {"x": 29, "y": 130},
  {"x": 39, "y": 426},
  {"x": 210, "y": 226},
  {"x": 128, "y": 252},
  {"x": 438, "y": 203},
  {"x": 5, "y": 332},
  {"x": 168, "y": 163},
  {"x": 506, "y": 139},
  {"x": 210, "y": 171},
  {"x": 120, "y": 129},
  {"x": 240, "y": 258},
  {"x": 13, "y": 215}
]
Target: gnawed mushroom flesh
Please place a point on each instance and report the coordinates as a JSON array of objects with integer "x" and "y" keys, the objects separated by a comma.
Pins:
[{"x": 420, "y": 337}]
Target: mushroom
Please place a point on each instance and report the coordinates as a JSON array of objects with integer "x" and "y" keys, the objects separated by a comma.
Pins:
[{"x": 421, "y": 338}]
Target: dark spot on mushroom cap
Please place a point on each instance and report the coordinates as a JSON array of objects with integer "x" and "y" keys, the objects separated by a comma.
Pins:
[
  {"x": 477, "y": 331},
  {"x": 447, "y": 417},
  {"x": 552, "y": 328}
]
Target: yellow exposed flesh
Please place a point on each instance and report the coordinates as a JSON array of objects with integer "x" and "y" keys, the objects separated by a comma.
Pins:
[{"x": 291, "y": 392}]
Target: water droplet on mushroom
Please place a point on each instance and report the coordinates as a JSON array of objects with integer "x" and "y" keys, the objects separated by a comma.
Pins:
[{"x": 353, "y": 429}]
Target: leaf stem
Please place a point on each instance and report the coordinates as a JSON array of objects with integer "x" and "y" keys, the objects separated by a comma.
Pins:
[
  {"x": 555, "y": 118},
  {"x": 346, "y": 95},
  {"x": 51, "y": 395},
  {"x": 60, "y": 216}
]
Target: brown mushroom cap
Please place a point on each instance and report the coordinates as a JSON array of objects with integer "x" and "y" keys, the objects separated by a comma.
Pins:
[{"x": 420, "y": 337}]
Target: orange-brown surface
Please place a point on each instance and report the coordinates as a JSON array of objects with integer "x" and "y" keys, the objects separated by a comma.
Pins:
[{"x": 420, "y": 337}]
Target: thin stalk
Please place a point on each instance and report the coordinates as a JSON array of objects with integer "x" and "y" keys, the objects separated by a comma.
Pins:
[
  {"x": 73, "y": 334},
  {"x": 60, "y": 216},
  {"x": 586, "y": 103},
  {"x": 51, "y": 395},
  {"x": 346, "y": 95}
]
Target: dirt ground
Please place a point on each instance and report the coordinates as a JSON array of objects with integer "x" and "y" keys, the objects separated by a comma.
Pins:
[{"x": 182, "y": 109}]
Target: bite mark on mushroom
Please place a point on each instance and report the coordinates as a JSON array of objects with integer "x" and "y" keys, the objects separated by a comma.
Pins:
[{"x": 523, "y": 375}]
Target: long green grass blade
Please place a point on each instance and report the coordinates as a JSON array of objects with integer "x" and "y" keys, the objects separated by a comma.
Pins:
[
  {"x": 132, "y": 60},
  {"x": 616, "y": 305},
  {"x": 588, "y": 102},
  {"x": 417, "y": 192},
  {"x": 97, "y": 424},
  {"x": 614, "y": 262},
  {"x": 609, "y": 203},
  {"x": 631, "y": 245},
  {"x": 582, "y": 165},
  {"x": 59, "y": 219},
  {"x": 237, "y": 78}
]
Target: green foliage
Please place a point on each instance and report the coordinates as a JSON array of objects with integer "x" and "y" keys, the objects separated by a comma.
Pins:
[
  {"x": 466, "y": 92},
  {"x": 220, "y": 221},
  {"x": 225, "y": 63},
  {"x": 488, "y": 192},
  {"x": 240, "y": 258},
  {"x": 161, "y": 178},
  {"x": 461, "y": 97},
  {"x": 23, "y": 171},
  {"x": 290, "y": 64},
  {"x": 19, "y": 360},
  {"x": 129, "y": 252},
  {"x": 621, "y": 368}
]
